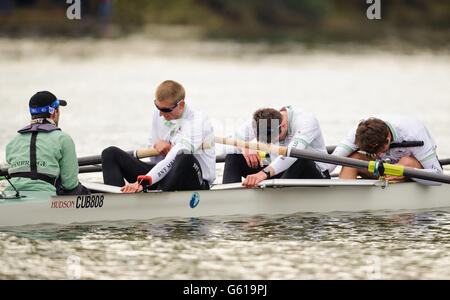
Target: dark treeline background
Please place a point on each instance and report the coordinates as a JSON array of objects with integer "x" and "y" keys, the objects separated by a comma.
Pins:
[{"x": 423, "y": 22}]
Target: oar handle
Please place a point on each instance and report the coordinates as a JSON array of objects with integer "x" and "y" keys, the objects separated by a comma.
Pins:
[{"x": 142, "y": 153}]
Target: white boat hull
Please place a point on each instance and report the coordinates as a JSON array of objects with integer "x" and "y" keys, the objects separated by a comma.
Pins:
[{"x": 307, "y": 196}]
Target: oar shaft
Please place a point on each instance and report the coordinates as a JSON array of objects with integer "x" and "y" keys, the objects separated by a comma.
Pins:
[
  {"x": 93, "y": 159},
  {"x": 90, "y": 169},
  {"x": 98, "y": 167},
  {"x": 91, "y": 164},
  {"x": 421, "y": 174},
  {"x": 445, "y": 161},
  {"x": 141, "y": 153},
  {"x": 329, "y": 159},
  {"x": 361, "y": 164}
]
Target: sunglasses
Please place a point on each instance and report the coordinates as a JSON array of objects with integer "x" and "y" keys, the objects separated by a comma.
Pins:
[{"x": 168, "y": 110}]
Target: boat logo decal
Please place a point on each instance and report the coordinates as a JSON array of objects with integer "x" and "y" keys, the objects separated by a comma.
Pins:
[
  {"x": 195, "y": 199},
  {"x": 83, "y": 201},
  {"x": 90, "y": 201},
  {"x": 63, "y": 204}
]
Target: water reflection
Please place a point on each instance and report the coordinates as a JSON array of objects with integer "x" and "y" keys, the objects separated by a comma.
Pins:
[
  {"x": 310, "y": 227},
  {"x": 298, "y": 246}
]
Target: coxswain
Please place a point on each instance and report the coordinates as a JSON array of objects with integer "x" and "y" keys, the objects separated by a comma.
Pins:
[{"x": 42, "y": 157}]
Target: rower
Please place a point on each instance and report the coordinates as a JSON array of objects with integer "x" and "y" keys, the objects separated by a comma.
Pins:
[
  {"x": 296, "y": 128},
  {"x": 42, "y": 157},
  {"x": 402, "y": 140},
  {"x": 178, "y": 132}
]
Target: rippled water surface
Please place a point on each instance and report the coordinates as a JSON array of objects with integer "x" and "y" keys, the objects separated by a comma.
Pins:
[
  {"x": 299, "y": 246},
  {"x": 109, "y": 86}
]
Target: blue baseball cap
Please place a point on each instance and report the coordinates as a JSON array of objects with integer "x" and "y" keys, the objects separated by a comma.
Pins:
[{"x": 43, "y": 102}]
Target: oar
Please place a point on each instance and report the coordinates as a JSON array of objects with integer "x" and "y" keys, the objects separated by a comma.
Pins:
[
  {"x": 140, "y": 153},
  {"x": 372, "y": 166},
  {"x": 90, "y": 169},
  {"x": 97, "y": 159},
  {"x": 143, "y": 153},
  {"x": 3, "y": 172},
  {"x": 98, "y": 167},
  {"x": 92, "y": 163},
  {"x": 445, "y": 162}
]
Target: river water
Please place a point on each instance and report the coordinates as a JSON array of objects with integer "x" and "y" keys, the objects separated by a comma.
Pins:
[{"x": 109, "y": 85}]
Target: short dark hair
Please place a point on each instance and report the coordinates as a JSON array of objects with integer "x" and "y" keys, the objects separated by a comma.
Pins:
[
  {"x": 270, "y": 115},
  {"x": 371, "y": 135}
]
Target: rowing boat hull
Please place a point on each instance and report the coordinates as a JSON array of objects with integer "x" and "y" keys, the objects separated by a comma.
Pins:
[{"x": 353, "y": 196}]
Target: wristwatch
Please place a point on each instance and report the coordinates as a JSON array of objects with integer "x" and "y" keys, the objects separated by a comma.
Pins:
[{"x": 266, "y": 171}]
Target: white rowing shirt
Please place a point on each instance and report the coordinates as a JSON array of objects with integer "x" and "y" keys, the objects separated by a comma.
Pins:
[
  {"x": 403, "y": 128},
  {"x": 186, "y": 134},
  {"x": 303, "y": 133}
]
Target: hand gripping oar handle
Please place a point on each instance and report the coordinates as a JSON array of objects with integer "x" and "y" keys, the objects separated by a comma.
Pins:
[
  {"x": 142, "y": 153},
  {"x": 389, "y": 169}
]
